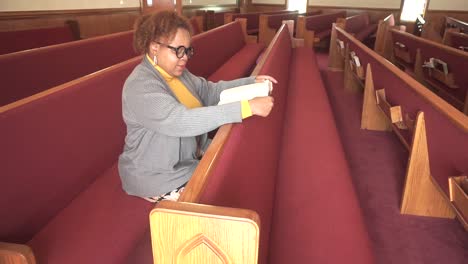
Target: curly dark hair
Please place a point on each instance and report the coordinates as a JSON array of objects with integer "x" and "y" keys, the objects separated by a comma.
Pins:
[{"x": 151, "y": 27}]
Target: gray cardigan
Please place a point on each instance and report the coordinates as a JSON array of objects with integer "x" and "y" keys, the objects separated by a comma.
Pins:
[{"x": 159, "y": 154}]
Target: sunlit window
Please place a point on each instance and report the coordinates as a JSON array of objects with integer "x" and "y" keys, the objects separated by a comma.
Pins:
[
  {"x": 412, "y": 9},
  {"x": 149, "y": 2},
  {"x": 300, "y": 5}
]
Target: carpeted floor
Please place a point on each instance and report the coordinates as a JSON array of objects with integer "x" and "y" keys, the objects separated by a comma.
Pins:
[{"x": 378, "y": 162}]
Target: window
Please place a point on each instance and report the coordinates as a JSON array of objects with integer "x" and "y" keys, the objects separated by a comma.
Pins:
[
  {"x": 300, "y": 5},
  {"x": 149, "y": 2},
  {"x": 412, "y": 9}
]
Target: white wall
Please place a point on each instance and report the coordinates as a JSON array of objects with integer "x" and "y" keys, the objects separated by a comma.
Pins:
[
  {"x": 270, "y": 2},
  {"x": 36, "y": 5},
  {"x": 456, "y": 5},
  {"x": 393, "y": 4},
  {"x": 208, "y": 2}
]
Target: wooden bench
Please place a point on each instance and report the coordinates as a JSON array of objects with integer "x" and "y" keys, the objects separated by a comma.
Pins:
[
  {"x": 13, "y": 41},
  {"x": 269, "y": 25},
  {"x": 61, "y": 147},
  {"x": 433, "y": 131},
  {"x": 358, "y": 25},
  {"x": 29, "y": 72},
  {"x": 253, "y": 19},
  {"x": 456, "y": 40},
  {"x": 317, "y": 28},
  {"x": 447, "y": 78},
  {"x": 60, "y": 185},
  {"x": 277, "y": 171}
]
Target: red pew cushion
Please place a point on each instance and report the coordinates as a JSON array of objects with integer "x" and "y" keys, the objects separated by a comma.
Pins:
[
  {"x": 102, "y": 225},
  {"x": 317, "y": 217}
]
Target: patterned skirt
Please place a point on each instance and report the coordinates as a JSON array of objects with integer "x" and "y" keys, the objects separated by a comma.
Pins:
[{"x": 171, "y": 196}]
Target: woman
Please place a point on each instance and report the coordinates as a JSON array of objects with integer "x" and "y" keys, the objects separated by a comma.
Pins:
[{"x": 168, "y": 110}]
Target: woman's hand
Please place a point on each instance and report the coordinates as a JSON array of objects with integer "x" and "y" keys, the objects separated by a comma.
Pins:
[
  {"x": 261, "y": 106},
  {"x": 261, "y": 78}
]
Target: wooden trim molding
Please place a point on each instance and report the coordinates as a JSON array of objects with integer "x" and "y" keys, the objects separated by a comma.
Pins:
[{"x": 50, "y": 13}]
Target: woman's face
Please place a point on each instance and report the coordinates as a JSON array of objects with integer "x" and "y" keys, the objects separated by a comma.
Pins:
[{"x": 167, "y": 58}]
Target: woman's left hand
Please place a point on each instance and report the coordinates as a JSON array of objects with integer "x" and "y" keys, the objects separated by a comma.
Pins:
[{"x": 262, "y": 78}]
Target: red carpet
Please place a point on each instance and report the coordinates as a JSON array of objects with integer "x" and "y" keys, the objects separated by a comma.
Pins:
[{"x": 378, "y": 162}]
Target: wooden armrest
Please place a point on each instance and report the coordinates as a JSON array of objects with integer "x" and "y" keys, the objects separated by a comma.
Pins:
[{"x": 16, "y": 254}]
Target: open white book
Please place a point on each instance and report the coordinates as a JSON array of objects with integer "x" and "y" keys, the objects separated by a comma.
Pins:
[{"x": 245, "y": 92}]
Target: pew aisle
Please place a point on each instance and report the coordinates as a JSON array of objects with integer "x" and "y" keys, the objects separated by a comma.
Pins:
[{"x": 378, "y": 164}]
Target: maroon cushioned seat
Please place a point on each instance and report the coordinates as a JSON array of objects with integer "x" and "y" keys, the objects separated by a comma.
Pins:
[
  {"x": 101, "y": 225},
  {"x": 317, "y": 217},
  {"x": 239, "y": 65}
]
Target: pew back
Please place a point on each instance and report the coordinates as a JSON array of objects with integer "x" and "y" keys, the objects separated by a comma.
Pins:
[
  {"x": 29, "y": 72},
  {"x": 218, "y": 44},
  {"x": 452, "y": 85},
  {"x": 55, "y": 144},
  {"x": 13, "y": 41}
]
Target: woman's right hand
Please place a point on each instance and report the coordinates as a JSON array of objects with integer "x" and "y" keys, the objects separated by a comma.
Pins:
[{"x": 261, "y": 106}]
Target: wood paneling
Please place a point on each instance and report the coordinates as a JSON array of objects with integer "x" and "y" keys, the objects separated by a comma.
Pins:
[{"x": 92, "y": 23}]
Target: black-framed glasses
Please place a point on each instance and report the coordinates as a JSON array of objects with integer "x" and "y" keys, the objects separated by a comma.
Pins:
[{"x": 179, "y": 51}]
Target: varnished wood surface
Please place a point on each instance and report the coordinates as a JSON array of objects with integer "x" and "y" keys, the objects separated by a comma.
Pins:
[
  {"x": 203, "y": 234},
  {"x": 454, "y": 115},
  {"x": 16, "y": 254}
]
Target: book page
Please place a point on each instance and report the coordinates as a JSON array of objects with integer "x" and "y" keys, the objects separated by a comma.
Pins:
[{"x": 245, "y": 92}]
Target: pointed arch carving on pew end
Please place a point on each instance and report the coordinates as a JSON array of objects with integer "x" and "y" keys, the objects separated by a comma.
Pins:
[{"x": 207, "y": 234}]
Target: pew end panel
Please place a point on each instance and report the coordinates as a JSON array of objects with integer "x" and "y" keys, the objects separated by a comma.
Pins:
[
  {"x": 337, "y": 52},
  {"x": 16, "y": 254},
  {"x": 382, "y": 33},
  {"x": 204, "y": 234},
  {"x": 421, "y": 195},
  {"x": 372, "y": 118}
]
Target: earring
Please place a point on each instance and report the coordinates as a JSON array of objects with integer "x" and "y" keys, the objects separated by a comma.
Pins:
[{"x": 155, "y": 60}]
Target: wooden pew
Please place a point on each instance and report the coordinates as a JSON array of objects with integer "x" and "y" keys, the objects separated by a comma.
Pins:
[
  {"x": 435, "y": 133},
  {"x": 269, "y": 24},
  {"x": 383, "y": 28},
  {"x": 448, "y": 78},
  {"x": 358, "y": 25},
  {"x": 232, "y": 196},
  {"x": 315, "y": 29},
  {"x": 456, "y": 40},
  {"x": 253, "y": 19},
  {"x": 60, "y": 185},
  {"x": 14, "y": 41},
  {"x": 455, "y": 25},
  {"x": 50, "y": 140},
  {"x": 32, "y": 71}
]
